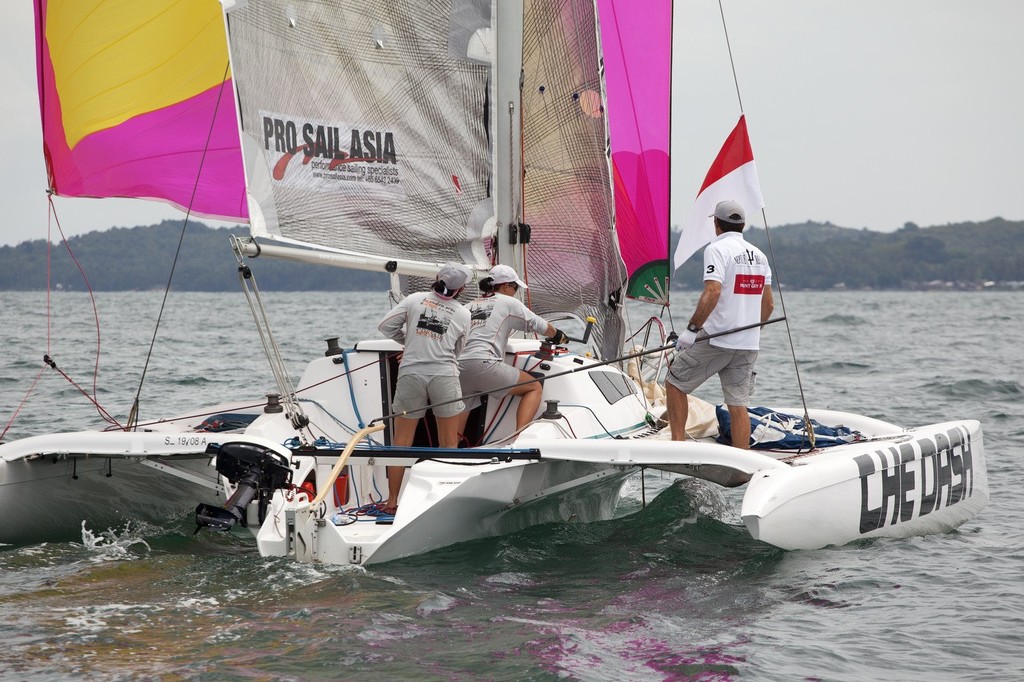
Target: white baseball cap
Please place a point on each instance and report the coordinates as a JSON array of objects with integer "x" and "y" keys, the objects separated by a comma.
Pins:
[{"x": 503, "y": 274}]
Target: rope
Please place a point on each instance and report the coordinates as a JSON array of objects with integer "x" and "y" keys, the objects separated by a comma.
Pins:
[
  {"x": 21, "y": 404},
  {"x": 133, "y": 415},
  {"x": 771, "y": 251},
  {"x": 99, "y": 408},
  {"x": 93, "y": 397}
]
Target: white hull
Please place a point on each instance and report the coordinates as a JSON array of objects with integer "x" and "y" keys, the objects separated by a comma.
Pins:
[
  {"x": 896, "y": 483},
  {"x": 436, "y": 511},
  {"x": 49, "y": 496},
  {"x": 931, "y": 480}
]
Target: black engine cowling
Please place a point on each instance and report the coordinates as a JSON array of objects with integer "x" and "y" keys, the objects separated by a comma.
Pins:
[{"x": 256, "y": 471}]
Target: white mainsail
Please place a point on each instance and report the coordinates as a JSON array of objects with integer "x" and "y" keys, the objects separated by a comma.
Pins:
[{"x": 368, "y": 130}]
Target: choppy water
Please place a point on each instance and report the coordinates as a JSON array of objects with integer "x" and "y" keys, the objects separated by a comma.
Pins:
[{"x": 676, "y": 590}]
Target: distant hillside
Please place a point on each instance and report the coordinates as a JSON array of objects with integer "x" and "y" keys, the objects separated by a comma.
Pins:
[
  {"x": 806, "y": 256},
  {"x": 825, "y": 256},
  {"x": 139, "y": 259}
]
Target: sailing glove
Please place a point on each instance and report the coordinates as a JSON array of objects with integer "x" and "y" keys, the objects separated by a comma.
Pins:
[
  {"x": 558, "y": 338},
  {"x": 685, "y": 340}
]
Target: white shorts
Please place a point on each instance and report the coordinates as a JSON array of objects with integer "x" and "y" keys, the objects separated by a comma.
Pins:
[
  {"x": 414, "y": 393},
  {"x": 491, "y": 376}
]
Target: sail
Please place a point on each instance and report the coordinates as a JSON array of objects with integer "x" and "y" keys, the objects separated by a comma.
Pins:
[
  {"x": 377, "y": 132},
  {"x": 637, "y": 42},
  {"x": 136, "y": 102},
  {"x": 364, "y": 127},
  {"x": 573, "y": 261}
]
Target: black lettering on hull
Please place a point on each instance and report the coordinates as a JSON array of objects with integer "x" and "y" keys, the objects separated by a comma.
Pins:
[{"x": 899, "y": 484}]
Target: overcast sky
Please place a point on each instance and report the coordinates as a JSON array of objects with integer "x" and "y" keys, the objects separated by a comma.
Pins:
[{"x": 865, "y": 113}]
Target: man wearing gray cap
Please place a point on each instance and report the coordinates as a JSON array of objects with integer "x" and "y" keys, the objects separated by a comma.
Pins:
[
  {"x": 737, "y": 292},
  {"x": 432, "y": 326}
]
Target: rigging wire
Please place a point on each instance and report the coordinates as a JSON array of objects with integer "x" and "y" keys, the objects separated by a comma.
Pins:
[
  {"x": 247, "y": 280},
  {"x": 767, "y": 233},
  {"x": 133, "y": 415}
]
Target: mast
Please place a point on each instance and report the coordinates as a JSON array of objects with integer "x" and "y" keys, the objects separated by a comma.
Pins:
[{"x": 507, "y": 115}]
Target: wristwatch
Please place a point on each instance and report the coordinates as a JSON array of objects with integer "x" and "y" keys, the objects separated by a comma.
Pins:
[{"x": 692, "y": 328}]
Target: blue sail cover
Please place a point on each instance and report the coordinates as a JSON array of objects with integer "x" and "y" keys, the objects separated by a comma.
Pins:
[{"x": 780, "y": 431}]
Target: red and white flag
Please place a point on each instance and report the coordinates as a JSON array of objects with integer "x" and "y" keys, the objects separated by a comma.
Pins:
[{"x": 732, "y": 176}]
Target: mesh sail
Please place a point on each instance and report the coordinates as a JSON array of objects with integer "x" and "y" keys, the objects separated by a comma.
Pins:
[
  {"x": 364, "y": 126},
  {"x": 572, "y": 259},
  {"x": 365, "y": 129}
]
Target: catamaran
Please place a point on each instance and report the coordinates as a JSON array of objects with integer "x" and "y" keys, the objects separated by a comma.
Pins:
[{"x": 394, "y": 138}]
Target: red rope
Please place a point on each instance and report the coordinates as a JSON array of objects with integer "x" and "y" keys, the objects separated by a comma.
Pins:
[
  {"x": 21, "y": 404},
  {"x": 53, "y": 219}
]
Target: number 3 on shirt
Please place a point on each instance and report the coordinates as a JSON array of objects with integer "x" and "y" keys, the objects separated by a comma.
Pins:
[{"x": 711, "y": 269}]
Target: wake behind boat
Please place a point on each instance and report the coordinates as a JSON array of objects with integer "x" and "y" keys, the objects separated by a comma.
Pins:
[{"x": 394, "y": 141}]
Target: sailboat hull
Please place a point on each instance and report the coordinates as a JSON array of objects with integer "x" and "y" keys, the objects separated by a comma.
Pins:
[
  {"x": 52, "y": 498},
  {"x": 929, "y": 480},
  {"x": 893, "y": 483},
  {"x": 437, "y": 511}
]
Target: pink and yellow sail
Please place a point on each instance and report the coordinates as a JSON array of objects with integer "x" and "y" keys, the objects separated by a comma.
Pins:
[
  {"x": 636, "y": 37},
  {"x": 136, "y": 101}
]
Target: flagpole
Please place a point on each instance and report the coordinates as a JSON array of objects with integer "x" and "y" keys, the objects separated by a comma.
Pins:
[{"x": 768, "y": 238}]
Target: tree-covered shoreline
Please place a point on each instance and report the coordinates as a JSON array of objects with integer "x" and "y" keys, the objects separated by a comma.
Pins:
[{"x": 811, "y": 256}]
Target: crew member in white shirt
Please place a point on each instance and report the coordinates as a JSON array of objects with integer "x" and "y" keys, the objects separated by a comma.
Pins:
[
  {"x": 432, "y": 326},
  {"x": 494, "y": 316},
  {"x": 737, "y": 293}
]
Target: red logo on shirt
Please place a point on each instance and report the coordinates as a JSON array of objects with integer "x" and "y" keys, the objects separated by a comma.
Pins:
[{"x": 749, "y": 284}]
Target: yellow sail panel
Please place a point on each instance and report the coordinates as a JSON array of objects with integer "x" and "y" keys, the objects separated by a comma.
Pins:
[{"x": 115, "y": 60}]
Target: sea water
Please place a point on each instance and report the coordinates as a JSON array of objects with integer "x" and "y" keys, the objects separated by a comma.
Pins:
[{"x": 673, "y": 588}]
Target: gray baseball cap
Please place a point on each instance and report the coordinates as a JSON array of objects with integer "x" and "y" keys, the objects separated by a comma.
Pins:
[
  {"x": 454, "y": 275},
  {"x": 729, "y": 212}
]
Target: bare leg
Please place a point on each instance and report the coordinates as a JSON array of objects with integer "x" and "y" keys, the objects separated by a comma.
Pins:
[
  {"x": 448, "y": 431},
  {"x": 529, "y": 402},
  {"x": 405, "y": 433},
  {"x": 463, "y": 418},
  {"x": 678, "y": 411},
  {"x": 740, "y": 426}
]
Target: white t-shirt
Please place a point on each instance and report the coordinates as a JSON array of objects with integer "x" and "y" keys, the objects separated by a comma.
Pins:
[
  {"x": 493, "y": 319},
  {"x": 744, "y": 273},
  {"x": 433, "y": 331}
]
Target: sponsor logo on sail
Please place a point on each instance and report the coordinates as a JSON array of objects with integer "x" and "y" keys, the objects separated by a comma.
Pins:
[
  {"x": 306, "y": 151},
  {"x": 914, "y": 479}
]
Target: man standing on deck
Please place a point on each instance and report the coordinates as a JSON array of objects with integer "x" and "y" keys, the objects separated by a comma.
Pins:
[
  {"x": 432, "y": 326},
  {"x": 737, "y": 292}
]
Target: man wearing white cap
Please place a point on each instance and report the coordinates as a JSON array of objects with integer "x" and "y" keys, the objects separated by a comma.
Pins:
[
  {"x": 737, "y": 293},
  {"x": 494, "y": 316},
  {"x": 432, "y": 326}
]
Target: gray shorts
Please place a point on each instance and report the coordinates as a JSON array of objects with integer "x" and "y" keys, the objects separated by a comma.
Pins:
[
  {"x": 700, "y": 362},
  {"x": 486, "y": 375},
  {"x": 414, "y": 392}
]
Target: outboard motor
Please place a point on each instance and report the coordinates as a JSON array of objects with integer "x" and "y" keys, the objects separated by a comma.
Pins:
[{"x": 256, "y": 471}]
